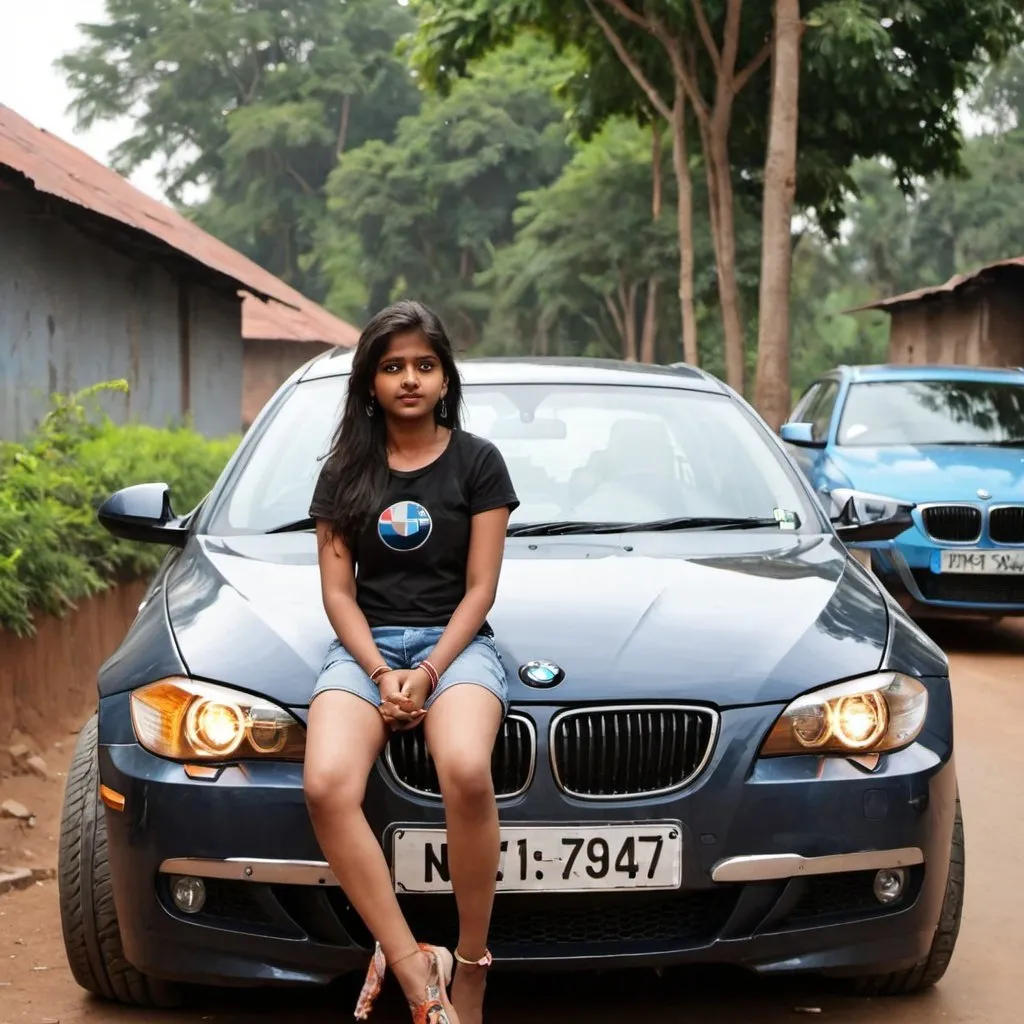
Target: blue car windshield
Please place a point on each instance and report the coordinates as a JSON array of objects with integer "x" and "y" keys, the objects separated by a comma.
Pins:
[
  {"x": 921, "y": 412},
  {"x": 581, "y": 453}
]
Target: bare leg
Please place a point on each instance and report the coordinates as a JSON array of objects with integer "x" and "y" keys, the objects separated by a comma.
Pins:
[
  {"x": 461, "y": 728},
  {"x": 345, "y": 735}
]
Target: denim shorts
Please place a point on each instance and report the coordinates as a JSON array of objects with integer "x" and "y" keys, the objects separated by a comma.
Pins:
[{"x": 405, "y": 647}]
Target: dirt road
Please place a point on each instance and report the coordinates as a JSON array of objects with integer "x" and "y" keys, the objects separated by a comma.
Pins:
[{"x": 982, "y": 984}]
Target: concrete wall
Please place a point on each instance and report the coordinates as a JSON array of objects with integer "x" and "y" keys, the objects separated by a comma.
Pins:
[
  {"x": 266, "y": 366},
  {"x": 74, "y": 312}
]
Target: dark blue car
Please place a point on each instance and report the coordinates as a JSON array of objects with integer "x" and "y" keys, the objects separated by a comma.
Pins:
[
  {"x": 726, "y": 742},
  {"x": 950, "y": 441}
]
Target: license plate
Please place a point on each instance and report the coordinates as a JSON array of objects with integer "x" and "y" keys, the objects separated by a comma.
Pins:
[
  {"x": 551, "y": 858},
  {"x": 985, "y": 563}
]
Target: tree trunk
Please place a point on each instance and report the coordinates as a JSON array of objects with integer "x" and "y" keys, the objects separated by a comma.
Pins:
[
  {"x": 772, "y": 391},
  {"x": 651, "y": 309},
  {"x": 723, "y": 225},
  {"x": 684, "y": 188}
]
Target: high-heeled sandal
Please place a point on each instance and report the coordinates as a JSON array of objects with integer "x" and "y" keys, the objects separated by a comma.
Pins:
[{"x": 435, "y": 1008}]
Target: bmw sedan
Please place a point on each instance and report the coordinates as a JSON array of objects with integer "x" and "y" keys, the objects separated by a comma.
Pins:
[
  {"x": 726, "y": 743},
  {"x": 950, "y": 441}
]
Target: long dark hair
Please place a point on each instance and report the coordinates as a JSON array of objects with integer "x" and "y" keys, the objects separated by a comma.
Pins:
[{"x": 357, "y": 463}]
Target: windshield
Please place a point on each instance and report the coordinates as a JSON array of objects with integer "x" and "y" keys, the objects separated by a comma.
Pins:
[
  {"x": 932, "y": 412},
  {"x": 605, "y": 453}
]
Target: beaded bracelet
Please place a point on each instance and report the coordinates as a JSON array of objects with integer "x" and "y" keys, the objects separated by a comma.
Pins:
[{"x": 431, "y": 673}]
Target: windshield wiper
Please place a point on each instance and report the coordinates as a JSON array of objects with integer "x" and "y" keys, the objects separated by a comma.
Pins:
[
  {"x": 297, "y": 527},
  {"x": 554, "y": 529},
  {"x": 559, "y": 527},
  {"x": 703, "y": 523}
]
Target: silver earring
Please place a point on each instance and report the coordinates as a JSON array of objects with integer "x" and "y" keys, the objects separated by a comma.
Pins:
[
  {"x": 444, "y": 408},
  {"x": 370, "y": 409}
]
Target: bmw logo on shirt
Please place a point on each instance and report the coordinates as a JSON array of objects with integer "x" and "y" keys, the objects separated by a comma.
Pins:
[{"x": 405, "y": 526}]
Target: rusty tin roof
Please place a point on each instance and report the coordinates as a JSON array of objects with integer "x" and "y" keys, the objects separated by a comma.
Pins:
[{"x": 59, "y": 169}]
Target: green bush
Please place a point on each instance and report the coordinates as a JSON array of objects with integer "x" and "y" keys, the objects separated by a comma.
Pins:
[{"x": 53, "y": 551}]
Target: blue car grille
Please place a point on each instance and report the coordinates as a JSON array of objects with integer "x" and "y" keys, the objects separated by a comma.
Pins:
[
  {"x": 1006, "y": 524},
  {"x": 512, "y": 762},
  {"x": 616, "y": 752},
  {"x": 957, "y": 523}
]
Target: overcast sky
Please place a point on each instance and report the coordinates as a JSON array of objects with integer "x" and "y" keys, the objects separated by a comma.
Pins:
[{"x": 35, "y": 33}]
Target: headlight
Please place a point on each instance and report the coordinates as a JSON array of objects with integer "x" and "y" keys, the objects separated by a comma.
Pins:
[
  {"x": 191, "y": 721},
  {"x": 864, "y": 716}
]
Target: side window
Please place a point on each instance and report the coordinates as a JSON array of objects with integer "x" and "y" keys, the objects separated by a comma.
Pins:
[
  {"x": 807, "y": 400},
  {"x": 820, "y": 413}
]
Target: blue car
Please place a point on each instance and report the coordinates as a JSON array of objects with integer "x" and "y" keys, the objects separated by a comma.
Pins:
[
  {"x": 726, "y": 743},
  {"x": 949, "y": 440}
]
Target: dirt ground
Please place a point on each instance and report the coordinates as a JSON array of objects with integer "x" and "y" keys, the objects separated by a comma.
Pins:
[{"x": 981, "y": 986}]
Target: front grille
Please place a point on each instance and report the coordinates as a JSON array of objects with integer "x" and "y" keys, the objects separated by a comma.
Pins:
[
  {"x": 606, "y": 922},
  {"x": 512, "y": 762},
  {"x": 1006, "y": 525},
  {"x": 521, "y": 922},
  {"x": 617, "y": 752},
  {"x": 957, "y": 523},
  {"x": 978, "y": 589}
]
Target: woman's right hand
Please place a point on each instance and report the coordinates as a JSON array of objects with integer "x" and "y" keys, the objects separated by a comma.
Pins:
[{"x": 396, "y": 709}]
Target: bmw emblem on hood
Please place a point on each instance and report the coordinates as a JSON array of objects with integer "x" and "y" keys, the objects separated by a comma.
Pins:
[
  {"x": 983, "y": 494},
  {"x": 541, "y": 673}
]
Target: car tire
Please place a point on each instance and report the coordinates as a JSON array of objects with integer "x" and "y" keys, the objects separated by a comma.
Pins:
[
  {"x": 930, "y": 970},
  {"x": 92, "y": 936}
]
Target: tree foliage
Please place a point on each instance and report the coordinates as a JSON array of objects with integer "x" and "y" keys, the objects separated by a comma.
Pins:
[
  {"x": 253, "y": 102},
  {"x": 425, "y": 214}
]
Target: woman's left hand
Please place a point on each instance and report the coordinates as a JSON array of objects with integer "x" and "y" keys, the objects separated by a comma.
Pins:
[{"x": 413, "y": 690}]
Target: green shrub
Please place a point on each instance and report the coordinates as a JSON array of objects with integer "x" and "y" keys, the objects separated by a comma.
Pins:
[{"x": 53, "y": 551}]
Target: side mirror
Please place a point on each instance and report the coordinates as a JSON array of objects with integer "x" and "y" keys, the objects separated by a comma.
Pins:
[
  {"x": 859, "y": 517},
  {"x": 801, "y": 434},
  {"x": 143, "y": 512}
]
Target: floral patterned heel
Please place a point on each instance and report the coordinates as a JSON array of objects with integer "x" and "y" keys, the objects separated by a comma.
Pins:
[{"x": 435, "y": 1008}]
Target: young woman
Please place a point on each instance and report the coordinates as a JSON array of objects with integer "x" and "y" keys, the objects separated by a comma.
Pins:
[{"x": 420, "y": 507}]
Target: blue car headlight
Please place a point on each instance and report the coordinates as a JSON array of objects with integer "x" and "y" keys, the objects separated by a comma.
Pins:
[
  {"x": 188, "y": 720},
  {"x": 871, "y": 715}
]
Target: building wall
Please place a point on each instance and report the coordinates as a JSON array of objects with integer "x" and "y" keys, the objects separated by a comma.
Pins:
[
  {"x": 980, "y": 325},
  {"x": 266, "y": 366},
  {"x": 1005, "y": 322},
  {"x": 944, "y": 329},
  {"x": 75, "y": 313}
]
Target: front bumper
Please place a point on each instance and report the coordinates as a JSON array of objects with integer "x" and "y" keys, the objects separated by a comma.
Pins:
[
  {"x": 776, "y": 874},
  {"x": 908, "y": 568}
]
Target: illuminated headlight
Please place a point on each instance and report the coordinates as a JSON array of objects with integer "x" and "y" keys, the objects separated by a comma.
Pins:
[
  {"x": 192, "y": 721},
  {"x": 864, "y": 716}
]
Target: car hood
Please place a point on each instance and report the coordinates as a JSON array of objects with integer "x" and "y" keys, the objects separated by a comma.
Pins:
[
  {"x": 761, "y": 618},
  {"x": 935, "y": 472}
]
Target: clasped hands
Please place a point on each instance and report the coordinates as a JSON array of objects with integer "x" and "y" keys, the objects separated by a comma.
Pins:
[{"x": 403, "y": 692}]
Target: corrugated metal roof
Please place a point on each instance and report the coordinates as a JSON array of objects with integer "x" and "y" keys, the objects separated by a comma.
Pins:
[
  {"x": 60, "y": 169},
  {"x": 940, "y": 289},
  {"x": 275, "y": 322}
]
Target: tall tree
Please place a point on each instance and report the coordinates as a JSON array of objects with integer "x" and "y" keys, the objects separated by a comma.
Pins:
[
  {"x": 772, "y": 391},
  {"x": 247, "y": 106},
  {"x": 879, "y": 78}
]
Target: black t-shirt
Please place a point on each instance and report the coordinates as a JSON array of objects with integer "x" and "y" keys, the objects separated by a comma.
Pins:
[{"x": 411, "y": 557}]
